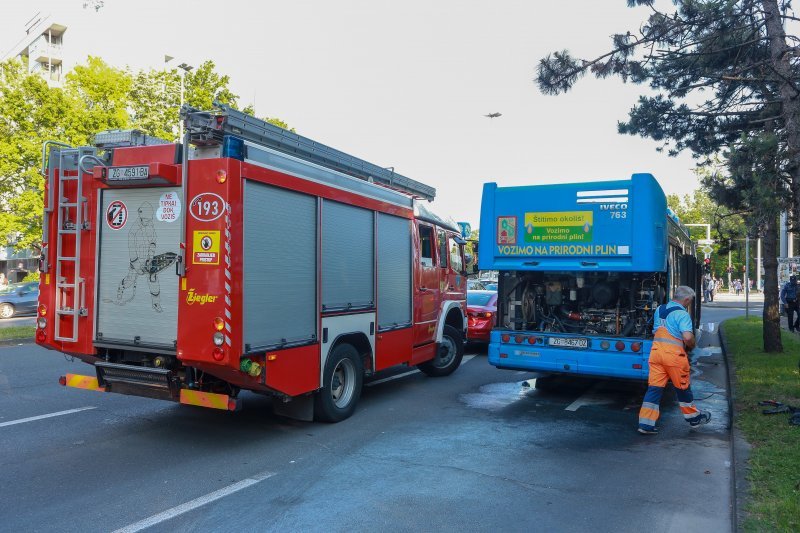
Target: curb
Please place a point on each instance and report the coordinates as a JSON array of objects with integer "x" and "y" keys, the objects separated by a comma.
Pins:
[
  {"x": 15, "y": 342},
  {"x": 740, "y": 448}
]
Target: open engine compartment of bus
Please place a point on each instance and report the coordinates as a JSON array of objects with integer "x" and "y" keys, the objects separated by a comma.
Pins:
[{"x": 591, "y": 303}]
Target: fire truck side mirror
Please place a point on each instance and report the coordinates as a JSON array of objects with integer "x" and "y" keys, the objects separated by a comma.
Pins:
[{"x": 471, "y": 265}]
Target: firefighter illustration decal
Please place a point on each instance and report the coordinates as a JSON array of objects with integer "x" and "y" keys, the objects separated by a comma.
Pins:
[{"x": 142, "y": 244}]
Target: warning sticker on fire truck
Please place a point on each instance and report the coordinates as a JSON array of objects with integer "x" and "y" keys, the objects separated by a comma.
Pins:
[
  {"x": 206, "y": 248},
  {"x": 116, "y": 215},
  {"x": 169, "y": 207}
]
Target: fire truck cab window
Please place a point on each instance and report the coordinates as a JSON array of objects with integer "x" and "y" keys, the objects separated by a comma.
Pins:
[
  {"x": 426, "y": 245},
  {"x": 442, "y": 249}
]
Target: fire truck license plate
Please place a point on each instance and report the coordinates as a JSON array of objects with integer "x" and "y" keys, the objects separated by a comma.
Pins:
[
  {"x": 562, "y": 342},
  {"x": 129, "y": 173}
]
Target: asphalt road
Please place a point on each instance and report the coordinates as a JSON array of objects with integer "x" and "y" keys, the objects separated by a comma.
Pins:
[{"x": 481, "y": 450}]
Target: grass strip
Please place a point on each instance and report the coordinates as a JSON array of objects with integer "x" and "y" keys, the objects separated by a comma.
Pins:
[
  {"x": 774, "y": 465},
  {"x": 17, "y": 332}
]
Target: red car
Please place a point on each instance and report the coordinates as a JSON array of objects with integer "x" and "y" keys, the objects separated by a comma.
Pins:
[{"x": 481, "y": 308}]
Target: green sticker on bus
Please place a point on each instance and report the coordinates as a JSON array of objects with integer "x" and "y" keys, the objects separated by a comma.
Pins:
[{"x": 558, "y": 226}]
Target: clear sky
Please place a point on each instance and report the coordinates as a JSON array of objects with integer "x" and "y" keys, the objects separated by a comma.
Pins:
[{"x": 403, "y": 84}]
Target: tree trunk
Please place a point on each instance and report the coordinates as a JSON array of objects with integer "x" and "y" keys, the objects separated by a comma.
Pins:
[
  {"x": 780, "y": 55},
  {"x": 772, "y": 317}
]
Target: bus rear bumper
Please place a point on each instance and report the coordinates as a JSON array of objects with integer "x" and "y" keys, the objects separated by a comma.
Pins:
[{"x": 588, "y": 362}]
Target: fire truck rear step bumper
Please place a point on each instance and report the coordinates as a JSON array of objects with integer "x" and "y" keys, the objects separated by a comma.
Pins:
[
  {"x": 140, "y": 381},
  {"x": 158, "y": 383}
]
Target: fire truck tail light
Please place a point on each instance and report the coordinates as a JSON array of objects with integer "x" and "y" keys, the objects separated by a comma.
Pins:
[
  {"x": 219, "y": 338},
  {"x": 218, "y": 354},
  {"x": 42, "y": 310},
  {"x": 219, "y": 324},
  {"x": 619, "y": 346},
  {"x": 41, "y": 322},
  {"x": 40, "y": 335},
  {"x": 222, "y": 176}
]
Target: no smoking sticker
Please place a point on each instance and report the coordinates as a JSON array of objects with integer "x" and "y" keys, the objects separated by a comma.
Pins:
[
  {"x": 116, "y": 215},
  {"x": 206, "y": 248}
]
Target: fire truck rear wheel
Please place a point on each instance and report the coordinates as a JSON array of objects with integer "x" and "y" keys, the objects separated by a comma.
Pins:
[
  {"x": 448, "y": 354},
  {"x": 341, "y": 385}
]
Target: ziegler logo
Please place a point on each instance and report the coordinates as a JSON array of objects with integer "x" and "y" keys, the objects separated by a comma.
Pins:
[
  {"x": 613, "y": 207},
  {"x": 193, "y": 298}
]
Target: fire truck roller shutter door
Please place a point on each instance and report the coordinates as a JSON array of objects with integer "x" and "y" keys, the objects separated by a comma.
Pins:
[
  {"x": 394, "y": 272},
  {"x": 348, "y": 257},
  {"x": 280, "y": 265},
  {"x": 137, "y": 289}
]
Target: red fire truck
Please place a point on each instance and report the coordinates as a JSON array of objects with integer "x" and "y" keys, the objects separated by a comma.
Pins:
[{"x": 246, "y": 257}]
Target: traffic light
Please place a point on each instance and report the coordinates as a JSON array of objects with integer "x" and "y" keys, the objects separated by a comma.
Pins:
[{"x": 707, "y": 266}]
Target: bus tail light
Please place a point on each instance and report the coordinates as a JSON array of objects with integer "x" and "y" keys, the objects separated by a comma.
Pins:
[
  {"x": 636, "y": 346},
  {"x": 505, "y": 338},
  {"x": 619, "y": 346},
  {"x": 605, "y": 345}
]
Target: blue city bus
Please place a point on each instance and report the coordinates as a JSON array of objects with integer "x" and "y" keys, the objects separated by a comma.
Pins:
[{"x": 582, "y": 266}]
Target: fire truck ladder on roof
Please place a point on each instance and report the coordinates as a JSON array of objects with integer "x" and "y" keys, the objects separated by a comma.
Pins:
[
  {"x": 72, "y": 220},
  {"x": 206, "y": 128}
]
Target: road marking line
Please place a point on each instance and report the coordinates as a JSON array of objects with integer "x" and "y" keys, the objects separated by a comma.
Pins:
[
  {"x": 464, "y": 360},
  {"x": 41, "y": 417},
  {"x": 590, "y": 397},
  {"x": 194, "y": 504}
]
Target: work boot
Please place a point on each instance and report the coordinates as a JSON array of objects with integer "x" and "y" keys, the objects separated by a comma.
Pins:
[
  {"x": 703, "y": 418},
  {"x": 648, "y": 431}
]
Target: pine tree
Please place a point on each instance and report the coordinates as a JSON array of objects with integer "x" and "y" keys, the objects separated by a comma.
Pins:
[{"x": 726, "y": 78}]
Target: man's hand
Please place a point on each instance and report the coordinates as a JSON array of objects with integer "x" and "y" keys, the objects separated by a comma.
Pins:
[{"x": 689, "y": 341}]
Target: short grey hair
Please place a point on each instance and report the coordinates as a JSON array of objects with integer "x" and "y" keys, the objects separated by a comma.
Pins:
[{"x": 683, "y": 292}]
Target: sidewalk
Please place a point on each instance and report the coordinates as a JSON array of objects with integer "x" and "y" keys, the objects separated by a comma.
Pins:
[{"x": 725, "y": 296}]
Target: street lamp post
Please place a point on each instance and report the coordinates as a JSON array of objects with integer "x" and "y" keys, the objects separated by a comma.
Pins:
[{"x": 184, "y": 69}]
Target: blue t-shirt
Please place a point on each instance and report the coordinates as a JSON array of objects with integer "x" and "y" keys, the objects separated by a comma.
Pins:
[{"x": 677, "y": 321}]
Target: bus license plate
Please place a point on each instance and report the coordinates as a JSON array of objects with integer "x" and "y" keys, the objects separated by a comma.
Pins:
[
  {"x": 128, "y": 173},
  {"x": 564, "y": 342}
]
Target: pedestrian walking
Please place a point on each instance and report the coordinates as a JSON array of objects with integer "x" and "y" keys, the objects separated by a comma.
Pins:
[
  {"x": 669, "y": 362},
  {"x": 789, "y": 294},
  {"x": 737, "y": 286}
]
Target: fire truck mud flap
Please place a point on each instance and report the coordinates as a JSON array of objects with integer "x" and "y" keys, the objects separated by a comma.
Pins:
[{"x": 297, "y": 408}]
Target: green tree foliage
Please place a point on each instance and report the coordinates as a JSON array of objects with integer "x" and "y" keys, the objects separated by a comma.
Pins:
[
  {"x": 727, "y": 227},
  {"x": 722, "y": 74},
  {"x": 95, "y": 97}
]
